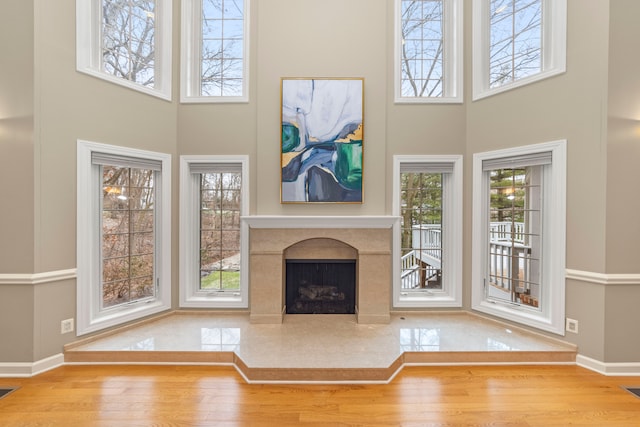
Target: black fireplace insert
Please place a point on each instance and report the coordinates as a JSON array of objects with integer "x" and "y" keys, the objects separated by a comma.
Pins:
[{"x": 320, "y": 286}]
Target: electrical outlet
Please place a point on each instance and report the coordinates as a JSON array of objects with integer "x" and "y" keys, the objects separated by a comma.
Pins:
[
  {"x": 66, "y": 326},
  {"x": 571, "y": 325}
]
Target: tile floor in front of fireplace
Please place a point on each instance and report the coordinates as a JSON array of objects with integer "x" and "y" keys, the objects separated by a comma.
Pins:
[{"x": 322, "y": 341}]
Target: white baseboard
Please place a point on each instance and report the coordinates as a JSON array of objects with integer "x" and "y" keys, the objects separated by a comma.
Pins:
[
  {"x": 609, "y": 369},
  {"x": 26, "y": 370}
]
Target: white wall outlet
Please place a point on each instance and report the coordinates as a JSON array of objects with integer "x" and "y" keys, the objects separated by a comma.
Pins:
[
  {"x": 66, "y": 326},
  {"x": 572, "y": 325}
]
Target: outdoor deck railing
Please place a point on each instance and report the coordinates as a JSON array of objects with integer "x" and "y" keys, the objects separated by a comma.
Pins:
[{"x": 509, "y": 260}]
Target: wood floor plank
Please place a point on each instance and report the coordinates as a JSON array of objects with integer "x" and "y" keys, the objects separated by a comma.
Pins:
[{"x": 174, "y": 396}]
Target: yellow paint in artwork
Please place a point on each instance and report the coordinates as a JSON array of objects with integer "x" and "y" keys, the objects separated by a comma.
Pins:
[
  {"x": 287, "y": 157},
  {"x": 355, "y": 136}
]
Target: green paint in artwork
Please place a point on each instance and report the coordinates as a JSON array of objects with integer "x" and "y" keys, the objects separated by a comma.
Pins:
[
  {"x": 290, "y": 137},
  {"x": 348, "y": 168}
]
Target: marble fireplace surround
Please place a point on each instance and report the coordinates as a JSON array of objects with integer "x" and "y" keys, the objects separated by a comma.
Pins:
[{"x": 274, "y": 239}]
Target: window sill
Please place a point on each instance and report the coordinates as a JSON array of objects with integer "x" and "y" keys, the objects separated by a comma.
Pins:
[
  {"x": 165, "y": 95},
  {"x": 214, "y": 301},
  {"x": 520, "y": 315}
]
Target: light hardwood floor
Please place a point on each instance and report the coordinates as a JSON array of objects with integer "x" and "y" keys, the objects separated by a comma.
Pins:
[{"x": 418, "y": 396}]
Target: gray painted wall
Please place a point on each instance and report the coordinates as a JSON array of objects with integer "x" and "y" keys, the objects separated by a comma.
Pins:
[
  {"x": 329, "y": 38},
  {"x": 622, "y": 339},
  {"x": 16, "y": 136},
  {"x": 16, "y": 178}
]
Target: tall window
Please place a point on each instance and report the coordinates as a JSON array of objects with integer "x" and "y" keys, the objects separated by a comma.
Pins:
[
  {"x": 517, "y": 42},
  {"x": 127, "y": 232},
  {"x": 428, "y": 51},
  {"x": 515, "y": 231},
  {"x": 519, "y": 234},
  {"x": 212, "y": 235},
  {"x": 127, "y": 42},
  {"x": 428, "y": 199},
  {"x": 215, "y": 46},
  {"x": 123, "y": 235}
]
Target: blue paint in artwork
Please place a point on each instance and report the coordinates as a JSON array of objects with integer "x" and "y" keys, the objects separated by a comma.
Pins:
[{"x": 320, "y": 154}]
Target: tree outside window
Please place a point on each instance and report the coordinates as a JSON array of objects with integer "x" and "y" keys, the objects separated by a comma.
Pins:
[
  {"x": 220, "y": 201},
  {"x": 428, "y": 51},
  {"x": 222, "y": 47},
  {"x": 515, "y": 48},
  {"x": 128, "y": 236},
  {"x": 128, "y": 40},
  {"x": 422, "y": 48},
  {"x": 421, "y": 211}
]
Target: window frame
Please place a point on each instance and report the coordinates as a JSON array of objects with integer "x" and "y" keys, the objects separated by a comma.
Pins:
[
  {"x": 88, "y": 47},
  {"x": 190, "y": 76},
  {"x": 89, "y": 185},
  {"x": 190, "y": 294},
  {"x": 451, "y": 294},
  {"x": 452, "y": 48},
  {"x": 551, "y": 317},
  {"x": 554, "y": 47}
]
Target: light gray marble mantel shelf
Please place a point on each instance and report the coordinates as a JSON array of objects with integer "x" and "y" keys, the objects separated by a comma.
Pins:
[{"x": 291, "y": 221}]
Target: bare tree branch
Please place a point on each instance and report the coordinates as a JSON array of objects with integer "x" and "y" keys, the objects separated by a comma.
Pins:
[
  {"x": 129, "y": 39},
  {"x": 416, "y": 20}
]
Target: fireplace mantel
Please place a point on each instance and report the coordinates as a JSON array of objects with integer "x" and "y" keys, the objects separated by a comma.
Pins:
[
  {"x": 369, "y": 236},
  {"x": 308, "y": 221}
]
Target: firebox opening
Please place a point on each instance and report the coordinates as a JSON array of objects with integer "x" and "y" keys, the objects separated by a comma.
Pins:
[{"x": 320, "y": 286}]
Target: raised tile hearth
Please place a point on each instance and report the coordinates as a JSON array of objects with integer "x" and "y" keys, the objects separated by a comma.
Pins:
[{"x": 319, "y": 348}]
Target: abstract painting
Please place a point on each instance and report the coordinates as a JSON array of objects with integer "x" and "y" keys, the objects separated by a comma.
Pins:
[{"x": 322, "y": 140}]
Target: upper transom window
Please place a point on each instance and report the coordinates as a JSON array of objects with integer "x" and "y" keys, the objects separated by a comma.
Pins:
[
  {"x": 516, "y": 42},
  {"x": 127, "y": 42},
  {"x": 214, "y": 50},
  {"x": 428, "y": 59}
]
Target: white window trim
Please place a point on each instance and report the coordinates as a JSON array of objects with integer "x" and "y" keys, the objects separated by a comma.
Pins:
[
  {"x": 90, "y": 319},
  {"x": 551, "y": 316},
  {"x": 190, "y": 296},
  {"x": 189, "y": 56},
  {"x": 554, "y": 47},
  {"x": 88, "y": 52},
  {"x": 452, "y": 244},
  {"x": 453, "y": 48}
]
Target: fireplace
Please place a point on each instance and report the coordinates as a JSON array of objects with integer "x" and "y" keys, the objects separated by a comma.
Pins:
[
  {"x": 320, "y": 286},
  {"x": 362, "y": 241}
]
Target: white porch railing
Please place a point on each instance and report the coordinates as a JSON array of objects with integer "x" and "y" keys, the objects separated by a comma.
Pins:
[
  {"x": 410, "y": 271},
  {"x": 504, "y": 231},
  {"x": 509, "y": 263},
  {"x": 509, "y": 256},
  {"x": 427, "y": 244},
  {"x": 416, "y": 274}
]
